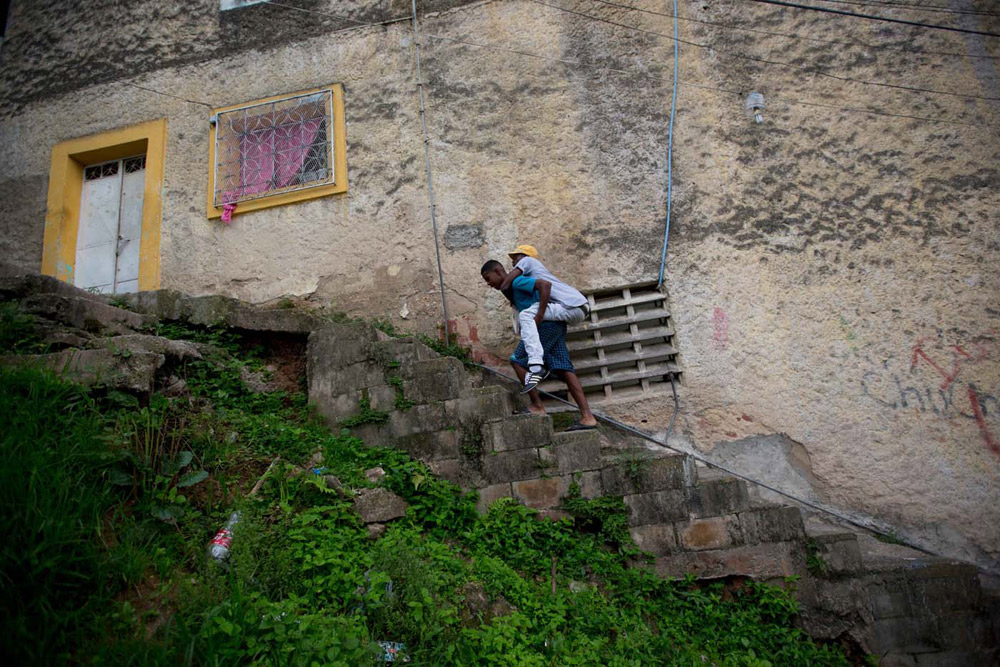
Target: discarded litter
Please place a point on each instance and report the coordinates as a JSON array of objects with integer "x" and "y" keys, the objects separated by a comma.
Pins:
[
  {"x": 219, "y": 547},
  {"x": 393, "y": 651}
]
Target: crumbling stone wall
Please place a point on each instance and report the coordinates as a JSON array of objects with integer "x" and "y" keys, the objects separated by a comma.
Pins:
[{"x": 833, "y": 274}]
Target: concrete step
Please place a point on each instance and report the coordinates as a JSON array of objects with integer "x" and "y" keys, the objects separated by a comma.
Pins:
[
  {"x": 659, "y": 474},
  {"x": 577, "y": 451},
  {"x": 717, "y": 496},
  {"x": 755, "y": 526},
  {"x": 766, "y": 561},
  {"x": 478, "y": 405},
  {"x": 433, "y": 380},
  {"x": 516, "y": 432}
]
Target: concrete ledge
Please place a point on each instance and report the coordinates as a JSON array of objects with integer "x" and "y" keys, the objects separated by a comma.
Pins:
[
  {"x": 711, "y": 533},
  {"x": 761, "y": 561},
  {"x": 572, "y": 452},
  {"x": 86, "y": 314},
  {"x": 716, "y": 497},
  {"x": 490, "y": 494},
  {"x": 655, "y": 507},
  {"x": 772, "y": 524},
  {"x": 434, "y": 380},
  {"x": 656, "y": 475},
  {"x": 516, "y": 432},
  {"x": 840, "y": 551},
  {"x": 659, "y": 540},
  {"x": 135, "y": 373},
  {"x": 516, "y": 465}
]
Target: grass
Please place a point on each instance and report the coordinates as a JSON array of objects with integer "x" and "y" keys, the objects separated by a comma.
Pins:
[{"x": 94, "y": 570}]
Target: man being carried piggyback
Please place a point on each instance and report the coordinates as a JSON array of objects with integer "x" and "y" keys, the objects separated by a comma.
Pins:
[{"x": 548, "y": 344}]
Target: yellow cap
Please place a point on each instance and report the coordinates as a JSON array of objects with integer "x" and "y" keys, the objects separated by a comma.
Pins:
[{"x": 528, "y": 250}]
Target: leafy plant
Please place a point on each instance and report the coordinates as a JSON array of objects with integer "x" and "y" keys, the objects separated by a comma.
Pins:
[
  {"x": 889, "y": 538},
  {"x": 365, "y": 415},
  {"x": 18, "y": 333},
  {"x": 606, "y": 516},
  {"x": 152, "y": 460},
  {"x": 90, "y": 575},
  {"x": 633, "y": 463},
  {"x": 815, "y": 563}
]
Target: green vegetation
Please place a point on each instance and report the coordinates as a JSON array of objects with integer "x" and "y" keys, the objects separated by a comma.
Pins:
[
  {"x": 632, "y": 464},
  {"x": 449, "y": 348},
  {"x": 815, "y": 562},
  {"x": 17, "y": 331},
  {"x": 110, "y": 504},
  {"x": 889, "y": 538},
  {"x": 365, "y": 415}
]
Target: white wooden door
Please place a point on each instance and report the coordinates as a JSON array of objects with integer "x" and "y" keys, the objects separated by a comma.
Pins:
[{"x": 107, "y": 247}]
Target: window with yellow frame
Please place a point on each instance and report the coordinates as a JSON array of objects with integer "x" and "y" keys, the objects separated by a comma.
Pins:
[{"x": 275, "y": 151}]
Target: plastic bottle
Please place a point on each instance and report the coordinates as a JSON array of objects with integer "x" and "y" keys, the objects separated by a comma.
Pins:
[{"x": 218, "y": 548}]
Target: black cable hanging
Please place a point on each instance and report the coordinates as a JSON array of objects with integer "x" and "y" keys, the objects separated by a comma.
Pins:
[{"x": 872, "y": 17}]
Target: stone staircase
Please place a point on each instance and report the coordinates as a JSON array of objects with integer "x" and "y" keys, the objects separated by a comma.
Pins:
[
  {"x": 903, "y": 607},
  {"x": 897, "y": 604}
]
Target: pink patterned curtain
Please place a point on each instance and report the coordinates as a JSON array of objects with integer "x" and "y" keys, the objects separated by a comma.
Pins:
[{"x": 272, "y": 157}]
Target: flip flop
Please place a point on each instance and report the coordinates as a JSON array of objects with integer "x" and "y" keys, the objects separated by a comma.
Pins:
[{"x": 581, "y": 427}]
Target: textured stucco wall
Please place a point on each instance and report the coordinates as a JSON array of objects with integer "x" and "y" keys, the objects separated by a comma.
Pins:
[{"x": 833, "y": 275}]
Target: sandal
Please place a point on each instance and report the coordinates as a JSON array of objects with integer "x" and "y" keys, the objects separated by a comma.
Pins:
[{"x": 578, "y": 426}]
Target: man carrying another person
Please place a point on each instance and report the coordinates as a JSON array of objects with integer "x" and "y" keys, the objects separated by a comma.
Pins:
[
  {"x": 557, "y": 303},
  {"x": 549, "y": 344}
]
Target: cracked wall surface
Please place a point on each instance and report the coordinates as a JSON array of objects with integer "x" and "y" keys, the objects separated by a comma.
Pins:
[{"x": 833, "y": 275}]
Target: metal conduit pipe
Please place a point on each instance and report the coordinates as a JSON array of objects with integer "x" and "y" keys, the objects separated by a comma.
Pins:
[
  {"x": 427, "y": 167},
  {"x": 712, "y": 464}
]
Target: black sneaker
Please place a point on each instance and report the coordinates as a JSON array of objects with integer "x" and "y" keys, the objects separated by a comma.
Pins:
[{"x": 532, "y": 379}]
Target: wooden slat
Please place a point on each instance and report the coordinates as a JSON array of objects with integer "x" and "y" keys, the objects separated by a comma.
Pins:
[
  {"x": 609, "y": 340},
  {"x": 622, "y": 320},
  {"x": 631, "y": 301},
  {"x": 648, "y": 353},
  {"x": 594, "y": 380}
]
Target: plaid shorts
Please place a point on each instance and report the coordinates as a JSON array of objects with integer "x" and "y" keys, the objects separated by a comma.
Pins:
[{"x": 556, "y": 354}]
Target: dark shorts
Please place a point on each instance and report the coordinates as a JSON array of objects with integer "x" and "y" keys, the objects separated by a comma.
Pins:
[{"x": 555, "y": 353}]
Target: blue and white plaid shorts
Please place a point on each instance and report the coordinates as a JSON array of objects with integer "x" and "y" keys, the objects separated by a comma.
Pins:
[{"x": 555, "y": 353}]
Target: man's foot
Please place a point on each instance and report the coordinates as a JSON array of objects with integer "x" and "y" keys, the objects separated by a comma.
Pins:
[
  {"x": 536, "y": 409},
  {"x": 533, "y": 378}
]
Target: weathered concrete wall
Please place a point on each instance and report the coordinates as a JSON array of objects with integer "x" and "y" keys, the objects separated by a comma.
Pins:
[{"x": 833, "y": 274}]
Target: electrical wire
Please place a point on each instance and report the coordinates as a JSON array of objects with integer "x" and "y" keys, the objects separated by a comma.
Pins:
[
  {"x": 358, "y": 24},
  {"x": 659, "y": 79},
  {"x": 160, "y": 92},
  {"x": 810, "y": 70},
  {"x": 910, "y": 7},
  {"x": 872, "y": 17},
  {"x": 529, "y": 54},
  {"x": 740, "y": 28},
  {"x": 670, "y": 148}
]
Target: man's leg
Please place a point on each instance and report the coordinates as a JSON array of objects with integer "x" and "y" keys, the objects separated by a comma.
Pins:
[
  {"x": 576, "y": 391},
  {"x": 536, "y": 406},
  {"x": 556, "y": 312},
  {"x": 529, "y": 336}
]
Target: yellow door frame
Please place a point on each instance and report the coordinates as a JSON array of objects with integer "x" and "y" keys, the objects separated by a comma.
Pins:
[{"x": 62, "y": 219}]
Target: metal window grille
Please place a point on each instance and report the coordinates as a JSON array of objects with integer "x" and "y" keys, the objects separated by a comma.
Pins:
[
  {"x": 273, "y": 148},
  {"x": 104, "y": 170},
  {"x": 134, "y": 164},
  {"x": 625, "y": 348}
]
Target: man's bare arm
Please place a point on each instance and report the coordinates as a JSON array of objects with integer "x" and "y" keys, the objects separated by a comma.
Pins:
[
  {"x": 509, "y": 279},
  {"x": 544, "y": 288}
]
